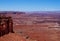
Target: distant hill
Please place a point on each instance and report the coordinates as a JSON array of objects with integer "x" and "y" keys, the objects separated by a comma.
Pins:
[{"x": 36, "y": 12}]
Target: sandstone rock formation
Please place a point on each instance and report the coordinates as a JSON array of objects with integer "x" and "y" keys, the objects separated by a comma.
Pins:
[
  {"x": 6, "y": 25},
  {"x": 12, "y": 37}
]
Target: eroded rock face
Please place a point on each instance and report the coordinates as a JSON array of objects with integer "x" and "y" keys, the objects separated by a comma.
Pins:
[{"x": 6, "y": 25}]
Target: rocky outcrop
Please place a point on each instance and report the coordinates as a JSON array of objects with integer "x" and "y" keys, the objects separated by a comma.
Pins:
[
  {"x": 6, "y": 25},
  {"x": 12, "y": 37}
]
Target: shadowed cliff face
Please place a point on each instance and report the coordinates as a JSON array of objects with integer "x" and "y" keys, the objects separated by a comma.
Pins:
[{"x": 6, "y": 25}]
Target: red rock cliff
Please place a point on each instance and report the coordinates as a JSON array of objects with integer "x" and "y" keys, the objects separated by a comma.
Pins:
[{"x": 6, "y": 25}]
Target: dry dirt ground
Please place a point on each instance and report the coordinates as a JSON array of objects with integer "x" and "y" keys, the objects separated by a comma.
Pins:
[{"x": 14, "y": 37}]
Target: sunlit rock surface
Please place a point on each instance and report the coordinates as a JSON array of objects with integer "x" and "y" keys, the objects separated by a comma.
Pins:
[{"x": 42, "y": 26}]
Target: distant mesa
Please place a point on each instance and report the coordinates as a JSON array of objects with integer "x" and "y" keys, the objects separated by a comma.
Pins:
[{"x": 11, "y": 12}]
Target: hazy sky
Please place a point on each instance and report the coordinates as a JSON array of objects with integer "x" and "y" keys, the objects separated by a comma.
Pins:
[{"x": 29, "y": 5}]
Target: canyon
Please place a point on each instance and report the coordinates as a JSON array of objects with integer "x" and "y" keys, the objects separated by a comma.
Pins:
[{"x": 36, "y": 26}]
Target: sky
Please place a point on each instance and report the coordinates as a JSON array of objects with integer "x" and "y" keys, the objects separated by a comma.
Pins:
[{"x": 29, "y": 5}]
